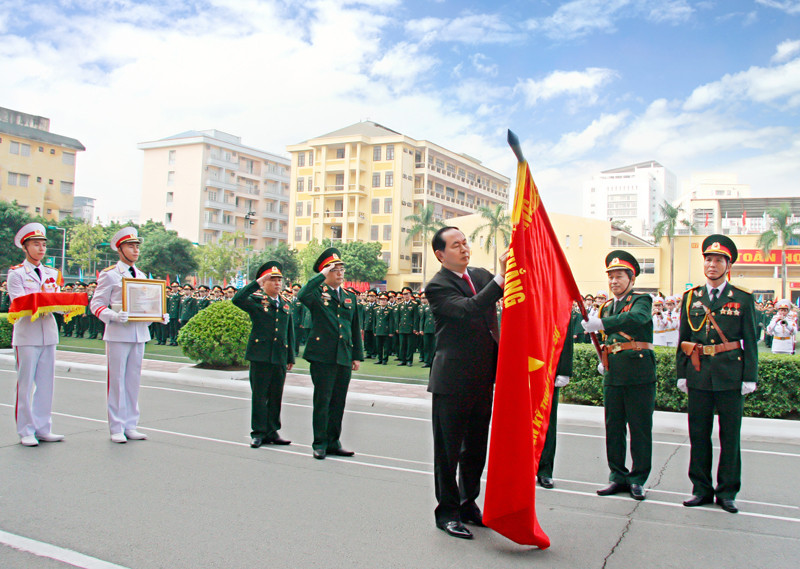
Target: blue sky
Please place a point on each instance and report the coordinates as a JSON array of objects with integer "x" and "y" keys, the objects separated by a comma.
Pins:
[{"x": 587, "y": 84}]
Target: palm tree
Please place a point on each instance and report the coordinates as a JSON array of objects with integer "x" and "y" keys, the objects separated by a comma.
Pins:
[
  {"x": 498, "y": 223},
  {"x": 666, "y": 228},
  {"x": 780, "y": 231},
  {"x": 425, "y": 225}
]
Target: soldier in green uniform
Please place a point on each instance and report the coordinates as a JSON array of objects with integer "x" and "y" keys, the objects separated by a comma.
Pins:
[
  {"x": 229, "y": 292},
  {"x": 563, "y": 373},
  {"x": 406, "y": 324},
  {"x": 66, "y": 327},
  {"x": 395, "y": 339},
  {"x": 298, "y": 319},
  {"x": 174, "y": 311},
  {"x": 382, "y": 326},
  {"x": 369, "y": 332},
  {"x": 270, "y": 351},
  {"x": 82, "y": 321},
  {"x": 717, "y": 364},
  {"x": 5, "y": 299},
  {"x": 427, "y": 329},
  {"x": 334, "y": 349},
  {"x": 203, "y": 300},
  {"x": 629, "y": 370},
  {"x": 188, "y": 306},
  {"x": 766, "y": 317}
]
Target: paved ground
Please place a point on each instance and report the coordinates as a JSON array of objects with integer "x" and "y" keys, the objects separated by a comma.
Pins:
[{"x": 195, "y": 494}]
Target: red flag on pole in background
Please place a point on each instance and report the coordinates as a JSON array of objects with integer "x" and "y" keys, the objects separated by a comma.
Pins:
[
  {"x": 706, "y": 223},
  {"x": 168, "y": 283},
  {"x": 744, "y": 218},
  {"x": 537, "y": 302}
]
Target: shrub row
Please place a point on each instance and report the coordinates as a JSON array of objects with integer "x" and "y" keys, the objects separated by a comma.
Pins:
[{"x": 777, "y": 396}]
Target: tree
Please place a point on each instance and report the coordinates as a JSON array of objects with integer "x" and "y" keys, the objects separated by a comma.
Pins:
[
  {"x": 781, "y": 232},
  {"x": 164, "y": 253},
  {"x": 621, "y": 224},
  {"x": 285, "y": 256},
  {"x": 12, "y": 218},
  {"x": 425, "y": 226},
  {"x": 363, "y": 262},
  {"x": 498, "y": 224},
  {"x": 666, "y": 228},
  {"x": 307, "y": 256},
  {"x": 221, "y": 260},
  {"x": 83, "y": 248}
]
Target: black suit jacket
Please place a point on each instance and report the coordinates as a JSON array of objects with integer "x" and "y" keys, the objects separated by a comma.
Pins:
[{"x": 466, "y": 352}]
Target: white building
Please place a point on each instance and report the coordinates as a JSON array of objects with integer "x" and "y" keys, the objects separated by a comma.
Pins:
[
  {"x": 83, "y": 208},
  {"x": 631, "y": 194}
]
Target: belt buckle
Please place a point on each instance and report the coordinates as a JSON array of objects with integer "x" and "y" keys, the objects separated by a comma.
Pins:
[
  {"x": 616, "y": 348},
  {"x": 709, "y": 351}
]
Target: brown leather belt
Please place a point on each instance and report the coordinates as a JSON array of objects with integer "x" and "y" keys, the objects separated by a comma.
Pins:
[
  {"x": 621, "y": 347},
  {"x": 695, "y": 350}
]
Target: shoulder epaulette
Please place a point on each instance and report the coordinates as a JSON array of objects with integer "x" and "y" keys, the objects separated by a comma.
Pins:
[
  {"x": 694, "y": 288},
  {"x": 607, "y": 302},
  {"x": 741, "y": 288},
  {"x": 18, "y": 266},
  {"x": 109, "y": 268}
]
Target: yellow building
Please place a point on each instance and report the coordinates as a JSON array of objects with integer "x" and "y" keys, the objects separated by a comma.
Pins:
[
  {"x": 360, "y": 183},
  {"x": 37, "y": 167},
  {"x": 586, "y": 242},
  {"x": 204, "y": 184}
]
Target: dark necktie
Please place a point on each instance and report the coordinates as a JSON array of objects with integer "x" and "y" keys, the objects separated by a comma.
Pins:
[
  {"x": 714, "y": 294},
  {"x": 133, "y": 271},
  {"x": 38, "y": 274},
  {"x": 465, "y": 276}
]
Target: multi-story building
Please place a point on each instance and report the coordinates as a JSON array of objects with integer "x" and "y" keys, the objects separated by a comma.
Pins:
[
  {"x": 37, "y": 167},
  {"x": 631, "y": 194},
  {"x": 360, "y": 183},
  {"x": 83, "y": 208},
  {"x": 204, "y": 184}
]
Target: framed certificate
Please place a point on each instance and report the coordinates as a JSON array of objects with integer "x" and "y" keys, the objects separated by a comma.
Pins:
[{"x": 144, "y": 300}]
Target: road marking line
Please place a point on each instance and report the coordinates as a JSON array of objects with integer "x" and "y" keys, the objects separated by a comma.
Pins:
[{"x": 42, "y": 549}]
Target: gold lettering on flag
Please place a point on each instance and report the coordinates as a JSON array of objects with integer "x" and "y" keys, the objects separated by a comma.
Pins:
[{"x": 513, "y": 292}]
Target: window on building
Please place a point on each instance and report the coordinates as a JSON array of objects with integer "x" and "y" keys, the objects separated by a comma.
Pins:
[
  {"x": 311, "y": 158},
  {"x": 301, "y": 160},
  {"x": 470, "y": 199},
  {"x": 387, "y": 205},
  {"x": 373, "y": 233},
  {"x": 389, "y": 179},
  {"x": 439, "y": 188},
  {"x": 580, "y": 240},
  {"x": 471, "y": 176},
  {"x": 340, "y": 153},
  {"x": 50, "y": 181},
  {"x": 566, "y": 241},
  {"x": 461, "y": 172},
  {"x": 298, "y": 233},
  {"x": 300, "y": 183},
  {"x": 376, "y": 205},
  {"x": 170, "y": 160},
  {"x": 69, "y": 158},
  {"x": 308, "y": 209},
  {"x": 170, "y": 197},
  {"x": 386, "y": 257},
  {"x": 168, "y": 217},
  {"x": 376, "y": 180},
  {"x": 208, "y": 237},
  {"x": 387, "y": 232},
  {"x": 461, "y": 196},
  {"x": 212, "y": 195},
  {"x": 14, "y": 148},
  {"x": 451, "y": 168},
  {"x": 440, "y": 163},
  {"x": 376, "y": 153},
  {"x": 67, "y": 187},
  {"x": 390, "y": 151},
  {"x": 298, "y": 210},
  {"x": 450, "y": 192},
  {"x": 170, "y": 178},
  {"x": 308, "y": 234},
  {"x": 340, "y": 181},
  {"x": 647, "y": 266},
  {"x": 270, "y": 225}
]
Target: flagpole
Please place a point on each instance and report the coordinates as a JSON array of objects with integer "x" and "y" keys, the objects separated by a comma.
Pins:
[{"x": 513, "y": 142}]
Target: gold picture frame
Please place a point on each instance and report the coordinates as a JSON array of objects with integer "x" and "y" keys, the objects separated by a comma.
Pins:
[{"x": 145, "y": 300}]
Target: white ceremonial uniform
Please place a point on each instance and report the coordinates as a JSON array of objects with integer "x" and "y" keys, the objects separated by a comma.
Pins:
[
  {"x": 124, "y": 348},
  {"x": 35, "y": 349},
  {"x": 671, "y": 329},
  {"x": 660, "y": 324},
  {"x": 782, "y": 334}
]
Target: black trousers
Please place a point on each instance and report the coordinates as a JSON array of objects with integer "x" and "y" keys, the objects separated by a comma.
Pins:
[
  {"x": 547, "y": 459},
  {"x": 369, "y": 342},
  {"x": 382, "y": 348},
  {"x": 266, "y": 383},
  {"x": 330, "y": 391},
  {"x": 460, "y": 436},
  {"x": 429, "y": 343},
  {"x": 729, "y": 405},
  {"x": 406, "y": 349},
  {"x": 629, "y": 407}
]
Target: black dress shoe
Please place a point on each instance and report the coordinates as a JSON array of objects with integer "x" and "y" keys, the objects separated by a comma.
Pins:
[
  {"x": 319, "y": 454},
  {"x": 455, "y": 528},
  {"x": 697, "y": 501},
  {"x": 472, "y": 516},
  {"x": 402, "y": 363},
  {"x": 341, "y": 452},
  {"x": 256, "y": 442},
  {"x": 426, "y": 365},
  {"x": 545, "y": 482},
  {"x": 613, "y": 488},
  {"x": 728, "y": 505},
  {"x": 278, "y": 441},
  {"x": 637, "y": 492}
]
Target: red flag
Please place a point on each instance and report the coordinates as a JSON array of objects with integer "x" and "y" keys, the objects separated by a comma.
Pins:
[
  {"x": 744, "y": 218},
  {"x": 706, "y": 223},
  {"x": 537, "y": 301},
  {"x": 168, "y": 283}
]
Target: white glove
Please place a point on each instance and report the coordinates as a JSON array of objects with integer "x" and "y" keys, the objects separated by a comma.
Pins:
[
  {"x": 748, "y": 387},
  {"x": 600, "y": 369},
  {"x": 561, "y": 380},
  {"x": 165, "y": 319},
  {"x": 121, "y": 317},
  {"x": 682, "y": 385},
  {"x": 594, "y": 324}
]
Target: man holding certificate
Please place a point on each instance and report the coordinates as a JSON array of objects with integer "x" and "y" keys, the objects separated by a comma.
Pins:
[{"x": 125, "y": 340}]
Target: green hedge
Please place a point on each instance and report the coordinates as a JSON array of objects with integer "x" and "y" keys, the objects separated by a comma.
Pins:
[
  {"x": 216, "y": 336},
  {"x": 777, "y": 396},
  {"x": 6, "y": 331}
]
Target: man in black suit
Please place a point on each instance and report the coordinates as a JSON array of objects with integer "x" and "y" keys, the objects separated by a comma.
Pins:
[{"x": 462, "y": 378}]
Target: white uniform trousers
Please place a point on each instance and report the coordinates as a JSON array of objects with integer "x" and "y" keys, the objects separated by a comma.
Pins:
[
  {"x": 36, "y": 368},
  {"x": 124, "y": 376}
]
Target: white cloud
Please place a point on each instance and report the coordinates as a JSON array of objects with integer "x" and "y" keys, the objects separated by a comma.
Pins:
[
  {"x": 786, "y": 50},
  {"x": 583, "y": 84},
  {"x": 675, "y": 12},
  {"x": 788, "y": 6},
  {"x": 403, "y": 65},
  {"x": 757, "y": 84},
  {"x": 469, "y": 29},
  {"x": 478, "y": 62}
]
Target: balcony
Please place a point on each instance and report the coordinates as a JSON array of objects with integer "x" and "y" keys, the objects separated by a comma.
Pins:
[
  {"x": 220, "y": 205},
  {"x": 273, "y": 234},
  {"x": 211, "y": 182},
  {"x": 220, "y": 162},
  {"x": 272, "y": 192},
  {"x": 341, "y": 189},
  {"x": 334, "y": 214},
  {"x": 250, "y": 190},
  {"x": 219, "y": 226},
  {"x": 416, "y": 269}
]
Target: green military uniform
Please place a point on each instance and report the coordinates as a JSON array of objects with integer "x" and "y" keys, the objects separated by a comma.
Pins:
[
  {"x": 564, "y": 368},
  {"x": 270, "y": 348},
  {"x": 368, "y": 327},
  {"x": 407, "y": 322},
  {"x": 188, "y": 308},
  {"x": 382, "y": 328},
  {"x": 298, "y": 319},
  {"x": 629, "y": 383},
  {"x": 174, "y": 311},
  {"x": 427, "y": 329},
  {"x": 724, "y": 365},
  {"x": 334, "y": 343},
  {"x": 5, "y": 301},
  {"x": 766, "y": 317}
]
